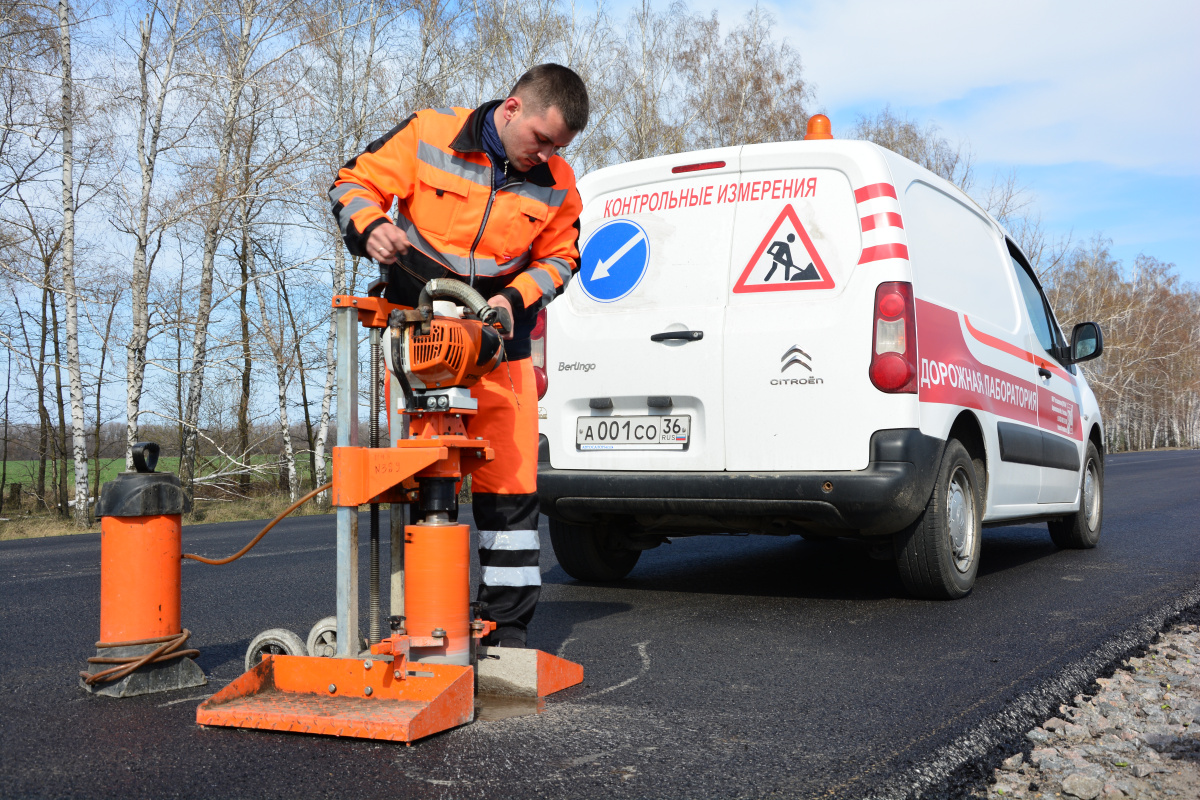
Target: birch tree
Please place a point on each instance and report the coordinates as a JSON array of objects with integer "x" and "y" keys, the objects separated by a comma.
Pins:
[
  {"x": 111, "y": 296},
  {"x": 275, "y": 337},
  {"x": 4, "y": 453},
  {"x": 270, "y": 154},
  {"x": 1148, "y": 380},
  {"x": 74, "y": 367},
  {"x": 163, "y": 33},
  {"x": 28, "y": 140},
  {"x": 648, "y": 116},
  {"x": 347, "y": 84},
  {"x": 248, "y": 36},
  {"x": 747, "y": 86},
  {"x": 922, "y": 143}
]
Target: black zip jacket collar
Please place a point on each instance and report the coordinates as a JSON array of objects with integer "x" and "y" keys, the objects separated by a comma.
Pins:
[{"x": 470, "y": 140}]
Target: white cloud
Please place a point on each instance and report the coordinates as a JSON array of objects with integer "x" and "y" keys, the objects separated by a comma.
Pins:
[{"x": 1025, "y": 82}]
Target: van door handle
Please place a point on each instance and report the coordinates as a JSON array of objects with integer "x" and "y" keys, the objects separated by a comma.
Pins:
[
  {"x": 687, "y": 336},
  {"x": 1045, "y": 373}
]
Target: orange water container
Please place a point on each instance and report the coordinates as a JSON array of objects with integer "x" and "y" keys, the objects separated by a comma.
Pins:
[
  {"x": 141, "y": 634},
  {"x": 140, "y": 576}
]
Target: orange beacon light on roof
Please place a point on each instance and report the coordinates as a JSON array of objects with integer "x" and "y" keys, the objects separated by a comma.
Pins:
[{"x": 818, "y": 128}]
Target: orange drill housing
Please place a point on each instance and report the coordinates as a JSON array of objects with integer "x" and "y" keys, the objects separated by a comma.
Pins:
[{"x": 455, "y": 352}]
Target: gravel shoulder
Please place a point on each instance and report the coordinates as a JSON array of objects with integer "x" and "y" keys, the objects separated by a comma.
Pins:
[{"x": 1137, "y": 737}]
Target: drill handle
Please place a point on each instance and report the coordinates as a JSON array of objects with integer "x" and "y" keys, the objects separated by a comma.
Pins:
[{"x": 498, "y": 318}]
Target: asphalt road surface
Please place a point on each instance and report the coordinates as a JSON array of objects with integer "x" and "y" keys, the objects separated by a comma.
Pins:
[{"x": 722, "y": 667}]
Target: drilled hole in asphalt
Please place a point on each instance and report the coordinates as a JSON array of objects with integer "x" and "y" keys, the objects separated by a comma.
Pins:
[{"x": 491, "y": 708}]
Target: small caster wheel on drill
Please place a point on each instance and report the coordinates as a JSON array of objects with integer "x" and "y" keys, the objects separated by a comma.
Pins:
[
  {"x": 322, "y": 639},
  {"x": 273, "y": 642}
]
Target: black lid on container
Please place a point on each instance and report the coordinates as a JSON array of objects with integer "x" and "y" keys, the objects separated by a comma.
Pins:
[{"x": 143, "y": 493}]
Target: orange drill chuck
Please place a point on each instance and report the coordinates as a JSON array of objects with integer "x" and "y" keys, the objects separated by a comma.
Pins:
[{"x": 437, "y": 592}]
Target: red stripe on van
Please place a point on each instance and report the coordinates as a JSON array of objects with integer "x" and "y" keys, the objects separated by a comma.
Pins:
[
  {"x": 873, "y": 191},
  {"x": 888, "y": 219},
  {"x": 950, "y": 374},
  {"x": 1013, "y": 350},
  {"x": 881, "y": 251}
]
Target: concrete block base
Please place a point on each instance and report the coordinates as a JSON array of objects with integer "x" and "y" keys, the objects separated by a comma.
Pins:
[{"x": 518, "y": 672}]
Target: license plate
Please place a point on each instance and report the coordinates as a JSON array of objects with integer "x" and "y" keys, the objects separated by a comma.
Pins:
[{"x": 633, "y": 433}]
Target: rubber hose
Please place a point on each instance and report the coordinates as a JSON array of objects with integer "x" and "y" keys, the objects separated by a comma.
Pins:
[
  {"x": 126, "y": 665},
  {"x": 221, "y": 561},
  {"x": 455, "y": 290},
  {"x": 398, "y": 370}
]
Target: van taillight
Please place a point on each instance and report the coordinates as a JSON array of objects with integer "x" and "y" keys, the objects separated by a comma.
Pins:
[
  {"x": 538, "y": 339},
  {"x": 894, "y": 348}
]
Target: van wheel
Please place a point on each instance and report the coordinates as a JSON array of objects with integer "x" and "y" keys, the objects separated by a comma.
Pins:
[
  {"x": 588, "y": 553},
  {"x": 938, "y": 555},
  {"x": 1081, "y": 530}
]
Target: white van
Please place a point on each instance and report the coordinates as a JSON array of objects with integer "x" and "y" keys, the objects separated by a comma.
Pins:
[{"x": 816, "y": 337}]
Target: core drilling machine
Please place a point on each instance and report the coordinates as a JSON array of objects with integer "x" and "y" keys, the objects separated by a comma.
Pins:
[{"x": 423, "y": 677}]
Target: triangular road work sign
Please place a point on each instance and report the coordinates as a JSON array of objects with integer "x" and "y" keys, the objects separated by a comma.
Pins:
[{"x": 786, "y": 260}]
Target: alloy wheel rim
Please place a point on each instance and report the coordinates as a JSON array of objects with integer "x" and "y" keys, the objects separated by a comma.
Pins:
[
  {"x": 960, "y": 513},
  {"x": 1091, "y": 495}
]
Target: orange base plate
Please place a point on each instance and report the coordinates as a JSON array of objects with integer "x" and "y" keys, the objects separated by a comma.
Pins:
[{"x": 292, "y": 693}]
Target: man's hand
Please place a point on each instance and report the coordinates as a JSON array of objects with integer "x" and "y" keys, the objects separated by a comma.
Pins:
[
  {"x": 386, "y": 243},
  {"x": 500, "y": 301}
]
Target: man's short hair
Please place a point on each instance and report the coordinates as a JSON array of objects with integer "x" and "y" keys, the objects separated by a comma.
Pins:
[{"x": 554, "y": 85}]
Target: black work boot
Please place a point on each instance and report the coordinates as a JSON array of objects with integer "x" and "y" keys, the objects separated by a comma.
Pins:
[{"x": 505, "y": 637}]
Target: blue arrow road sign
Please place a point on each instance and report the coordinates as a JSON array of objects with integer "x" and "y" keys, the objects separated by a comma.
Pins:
[{"x": 613, "y": 260}]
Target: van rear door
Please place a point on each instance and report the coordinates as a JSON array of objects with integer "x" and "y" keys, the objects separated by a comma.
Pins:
[
  {"x": 798, "y": 325},
  {"x": 638, "y": 383}
]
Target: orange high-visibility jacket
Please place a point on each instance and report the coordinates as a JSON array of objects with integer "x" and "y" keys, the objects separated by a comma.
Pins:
[{"x": 520, "y": 240}]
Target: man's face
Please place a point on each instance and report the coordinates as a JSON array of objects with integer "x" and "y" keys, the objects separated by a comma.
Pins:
[{"x": 530, "y": 138}]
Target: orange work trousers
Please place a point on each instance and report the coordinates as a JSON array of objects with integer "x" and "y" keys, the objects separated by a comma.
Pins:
[{"x": 504, "y": 499}]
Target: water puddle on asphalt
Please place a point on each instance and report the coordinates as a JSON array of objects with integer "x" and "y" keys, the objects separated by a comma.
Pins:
[{"x": 492, "y": 708}]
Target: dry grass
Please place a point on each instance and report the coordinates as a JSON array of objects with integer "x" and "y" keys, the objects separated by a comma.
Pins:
[
  {"x": 265, "y": 507},
  {"x": 32, "y": 526}
]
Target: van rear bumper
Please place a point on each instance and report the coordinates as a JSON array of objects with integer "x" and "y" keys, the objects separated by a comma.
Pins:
[{"x": 883, "y": 498}]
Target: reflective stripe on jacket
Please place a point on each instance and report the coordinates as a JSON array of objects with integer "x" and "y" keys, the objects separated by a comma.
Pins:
[{"x": 520, "y": 240}]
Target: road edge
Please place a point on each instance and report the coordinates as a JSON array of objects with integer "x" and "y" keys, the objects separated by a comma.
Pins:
[{"x": 969, "y": 759}]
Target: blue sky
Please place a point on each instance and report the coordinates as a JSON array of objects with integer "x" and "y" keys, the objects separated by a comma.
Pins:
[{"x": 1095, "y": 104}]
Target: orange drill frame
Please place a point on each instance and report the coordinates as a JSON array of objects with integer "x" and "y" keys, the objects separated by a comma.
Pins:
[{"x": 412, "y": 696}]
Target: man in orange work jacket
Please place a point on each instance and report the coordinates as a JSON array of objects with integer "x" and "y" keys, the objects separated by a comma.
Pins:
[{"x": 483, "y": 197}]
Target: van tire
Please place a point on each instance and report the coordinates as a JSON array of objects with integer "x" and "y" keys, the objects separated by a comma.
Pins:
[
  {"x": 938, "y": 555},
  {"x": 588, "y": 553},
  {"x": 1081, "y": 530}
]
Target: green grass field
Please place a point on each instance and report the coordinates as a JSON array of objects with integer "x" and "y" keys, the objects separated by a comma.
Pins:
[
  {"x": 264, "y": 502},
  {"x": 25, "y": 472}
]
